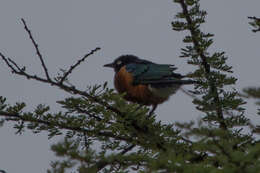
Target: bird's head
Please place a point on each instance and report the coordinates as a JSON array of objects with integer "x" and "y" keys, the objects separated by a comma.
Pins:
[{"x": 124, "y": 60}]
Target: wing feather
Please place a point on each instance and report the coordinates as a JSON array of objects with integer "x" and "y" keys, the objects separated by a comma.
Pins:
[{"x": 155, "y": 74}]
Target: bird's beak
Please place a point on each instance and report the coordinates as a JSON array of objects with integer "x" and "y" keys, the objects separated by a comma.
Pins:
[{"x": 111, "y": 65}]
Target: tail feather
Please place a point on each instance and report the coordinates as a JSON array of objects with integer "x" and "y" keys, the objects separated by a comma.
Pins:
[
  {"x": 166, "y": 83},
  {"x": 185, "y": 82}
]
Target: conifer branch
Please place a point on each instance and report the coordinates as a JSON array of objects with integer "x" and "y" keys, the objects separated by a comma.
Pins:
[
  {"x": 16, "y": 116},
  {"x": 255, "y": 23},
  {"x": 206, "y": 65}
]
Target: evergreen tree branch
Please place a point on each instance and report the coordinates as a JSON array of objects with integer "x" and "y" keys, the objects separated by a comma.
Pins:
[
  {"x": 98, "y": 161},
  {"x": 194, "y": 36},
  {"x": 255, "y": 23},
  {"x": 224, "y": 151},
  {"x": 127, "y": 149},
  {"x": 65, "y": 126},
  {"x": 16, "y": 116}
]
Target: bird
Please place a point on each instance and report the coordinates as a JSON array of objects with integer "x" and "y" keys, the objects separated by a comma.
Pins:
[{"x": 145, "y": 82}]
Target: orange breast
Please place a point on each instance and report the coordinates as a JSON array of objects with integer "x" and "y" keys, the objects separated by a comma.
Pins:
[{"x": 136, "y": 93}]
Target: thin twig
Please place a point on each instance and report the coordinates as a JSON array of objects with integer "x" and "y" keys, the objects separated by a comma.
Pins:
[
  {"x": 14, "y": 63},
  {"x": 77, "y": 64},
  {"x": 7, "y": 61},
  {"x": 59, "y": 85},
  {"x": 103, "y": 163},
  {"x": 224, "y": 151},
  {"x": 186, "y": 140},
  {"x": 188, "y": 93},
  {"x": 253, "y": 17},
  {"x": 130, "y": 147},
  {"x": 79, "y": 110},
  {"x": 36, "y": 48}
]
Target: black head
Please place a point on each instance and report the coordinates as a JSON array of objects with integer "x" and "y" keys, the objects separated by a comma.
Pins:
[{"x": 124, "y": 60}]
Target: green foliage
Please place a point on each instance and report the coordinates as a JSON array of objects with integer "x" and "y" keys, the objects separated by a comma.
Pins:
[
  {"x": 254, "y": 92},
  {"x": 255, "y": 23},
  {"x": 104, "y": 133}
]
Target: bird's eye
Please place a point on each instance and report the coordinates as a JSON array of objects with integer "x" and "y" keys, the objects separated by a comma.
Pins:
[{"x": 119, "y": 62}]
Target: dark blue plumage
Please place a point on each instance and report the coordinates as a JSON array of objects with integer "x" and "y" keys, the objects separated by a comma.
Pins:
[
  {"x": 153, "y": 74},
  {"x": 145, "y": 72}
]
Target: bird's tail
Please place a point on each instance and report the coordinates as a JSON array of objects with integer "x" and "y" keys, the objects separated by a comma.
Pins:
[
  {"x": 161, "y": 83},
  {"x": 185, "y": 82}
]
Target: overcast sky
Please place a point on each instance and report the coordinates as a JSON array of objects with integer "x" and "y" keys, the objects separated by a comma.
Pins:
[{"x": 66, "y": 30}]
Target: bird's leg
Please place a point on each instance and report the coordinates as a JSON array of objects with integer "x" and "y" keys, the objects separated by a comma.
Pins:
[{"x": 152, "y": 110}]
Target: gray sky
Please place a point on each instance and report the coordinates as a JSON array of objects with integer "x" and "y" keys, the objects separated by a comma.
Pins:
[{"x": 66, "y": 30}]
